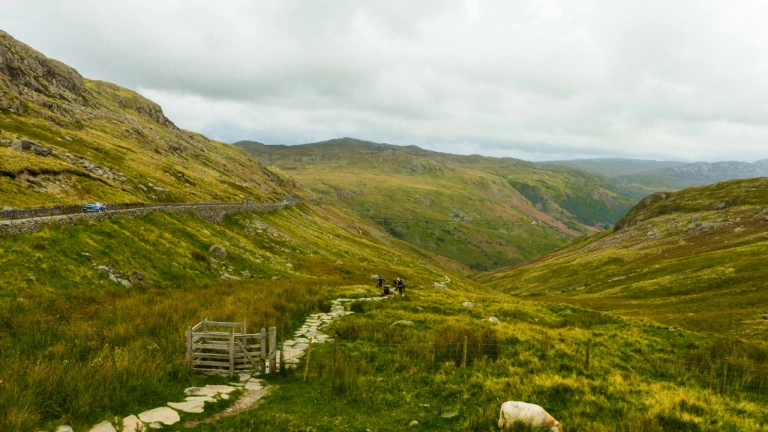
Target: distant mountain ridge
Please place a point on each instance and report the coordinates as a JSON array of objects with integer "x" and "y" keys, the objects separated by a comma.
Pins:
[
  {"x": 667, "y": 175},
  {"x": 482, "y": 211},
  {"x": 614, "y": 167},
  {"x": 698, "y": 174}
]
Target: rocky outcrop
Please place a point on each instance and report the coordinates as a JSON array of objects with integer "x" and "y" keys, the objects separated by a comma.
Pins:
[
  {"x": 27, "y": 69},
  {"x": 32, "y": 146}
]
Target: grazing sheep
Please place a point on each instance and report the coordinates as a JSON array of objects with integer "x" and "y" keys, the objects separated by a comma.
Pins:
[{"x": 530, "y": 414}]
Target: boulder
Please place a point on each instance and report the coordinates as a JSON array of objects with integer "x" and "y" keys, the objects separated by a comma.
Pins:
[
  {"x": 468, "y": 305},
  {"x": 449, "y": 414},
  {"x": 64, "y": 428},
  {"x": 765, "y": 316},
  {"x": 493, "y": 320},
  {"x": 413, "y": 423},
  {"x": 218, "y": 250}
]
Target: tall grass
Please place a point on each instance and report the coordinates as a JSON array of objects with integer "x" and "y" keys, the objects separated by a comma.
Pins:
[{"x": 85, "y": 356}]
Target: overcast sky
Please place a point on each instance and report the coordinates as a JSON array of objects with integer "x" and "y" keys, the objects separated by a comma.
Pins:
[{"x": 538, "y": 80}]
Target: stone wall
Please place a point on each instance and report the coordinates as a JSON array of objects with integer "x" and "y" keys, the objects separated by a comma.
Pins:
[{"x": 210, "y": 212}]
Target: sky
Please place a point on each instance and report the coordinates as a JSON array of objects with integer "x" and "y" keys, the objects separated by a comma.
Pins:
[{"x": 537, "y": 80}]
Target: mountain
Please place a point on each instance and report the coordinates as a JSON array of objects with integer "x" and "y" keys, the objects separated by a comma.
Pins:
[
  {"x": 484, "y": 212},
  {"x": 697, "y": 174},
  {"x": 101, "y": 142},
  {"x": 614, "y": 167},
  {"x": 693, "y": 258}
]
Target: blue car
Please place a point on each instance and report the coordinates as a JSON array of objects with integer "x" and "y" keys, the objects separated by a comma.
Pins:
[{"x": 94, "y": 207}]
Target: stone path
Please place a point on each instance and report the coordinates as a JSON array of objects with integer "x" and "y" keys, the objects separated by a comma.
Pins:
[{"x": 253, "y": 388}]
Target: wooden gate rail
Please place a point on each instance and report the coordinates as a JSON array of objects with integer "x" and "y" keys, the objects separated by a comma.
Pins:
[{"x": 230, "y": 351}]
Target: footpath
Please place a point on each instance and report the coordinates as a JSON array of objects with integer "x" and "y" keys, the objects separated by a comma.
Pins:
[{"x": 249, "y": 387}]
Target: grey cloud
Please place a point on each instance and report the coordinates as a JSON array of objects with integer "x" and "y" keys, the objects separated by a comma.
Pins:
[{"x": 538, "y": 79}]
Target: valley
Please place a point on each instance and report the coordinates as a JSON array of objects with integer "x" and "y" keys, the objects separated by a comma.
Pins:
[{"x": 613, "y": 305}]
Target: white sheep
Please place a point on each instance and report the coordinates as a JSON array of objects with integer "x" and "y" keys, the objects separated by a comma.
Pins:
[{"x": 530, "y": 414}]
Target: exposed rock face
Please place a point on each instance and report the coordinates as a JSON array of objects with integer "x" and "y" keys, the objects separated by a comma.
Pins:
[
  {"x": 30, "y": 69},
  {"x": 32, "y": 146}
]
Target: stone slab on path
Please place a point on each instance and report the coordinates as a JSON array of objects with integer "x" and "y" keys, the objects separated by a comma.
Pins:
[
  {"x": 104, "y": 426},
  {"x": 133, "y": 424},
  {"x": 195, "y": 406},
  {"x": 162, "y": 415}
]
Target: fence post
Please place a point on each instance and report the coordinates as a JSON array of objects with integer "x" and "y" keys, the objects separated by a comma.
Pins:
[
  {"x": 725, "y": 376},
  {"x": 231, "y": 352},
  {"x": 263, "y": 350},
  {"x": 309, "y": 352},
  {"x": 272, "y": 352},
  {"x": 205, "y": 324},
  {"x": 464, "y": 358},
  {"x": 189, "y": 347},
  {"x": 586, "y": 358},
  {"x": 282, "y": 353},
  {"x": 244, "y": 329}
]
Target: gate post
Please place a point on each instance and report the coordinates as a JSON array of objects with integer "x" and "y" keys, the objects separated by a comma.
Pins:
[
  {"x": 231, "y": 352},
  {"x": 272, "y": 352},
  {"x": 263, "y": 350},
  {"x": 189, "y": 347}
]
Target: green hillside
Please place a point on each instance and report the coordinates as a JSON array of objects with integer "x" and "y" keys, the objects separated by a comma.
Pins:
[
  {"x": 109, "y": 144},
  {"x": 693, "y": 259},
  {"x": 92, "y": 316},
  {"x": 481, "y": 211}
]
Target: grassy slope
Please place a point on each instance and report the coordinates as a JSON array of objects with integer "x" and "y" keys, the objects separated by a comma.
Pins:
[
  {"x": 675, "y": 259},
  {"x": 114, "y": 128},
  {"x": 77, "y": 348},
  {"x": 391, "y": 182}
]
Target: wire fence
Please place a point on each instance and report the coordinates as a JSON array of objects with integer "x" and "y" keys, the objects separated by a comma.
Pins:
[
  {"x": 43, "y": 212},
  {"x": 721, "y": 376}
]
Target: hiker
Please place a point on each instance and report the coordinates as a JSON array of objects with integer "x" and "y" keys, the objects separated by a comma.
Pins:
[
  {"x": 400, "y": 286},
  {"x": 380, "y": 280},
  {"x": 386, "y": 291}
]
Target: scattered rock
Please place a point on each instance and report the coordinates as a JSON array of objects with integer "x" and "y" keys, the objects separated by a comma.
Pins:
[
  {"x": 275, "y": 277},
  {"x": 32, "y": 146},
  {"x": 142, "y": 187},
  {"x": 413, "y": 423},
  {"x": 162, "y": 415},
  {"x": 132, "y": 424},
  {"x": 468, "y": 305},
  {"x": 493, "y": 320},
  {"x": 218, "y": 250},
  {"x": 449, "y": 414},
  {"x": 246, "y": 274},
  {"x": 403, "y": 322},
  {"x": 126, "y": 283},
  {"x": 374, "y": 277},
  {"x": 718, "y": 206},
  {"x": 87, "y": 256},
  {"x": 226, "y": 276},
  {"x": 440, "y": 286},
  {"x": 765, "y": 316},
  {"x": 104, "y": 426},
  {"x": 137, "y": 275},
  {"x": 64, "y": 428}
]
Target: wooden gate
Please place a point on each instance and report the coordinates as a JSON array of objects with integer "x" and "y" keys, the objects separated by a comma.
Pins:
[{"x": 227, "y": 348}]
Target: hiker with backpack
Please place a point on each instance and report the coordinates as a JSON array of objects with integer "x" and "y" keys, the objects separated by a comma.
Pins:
[
  {"x": 380, "y": 281},
  {"x": 400, "y": 285}
]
